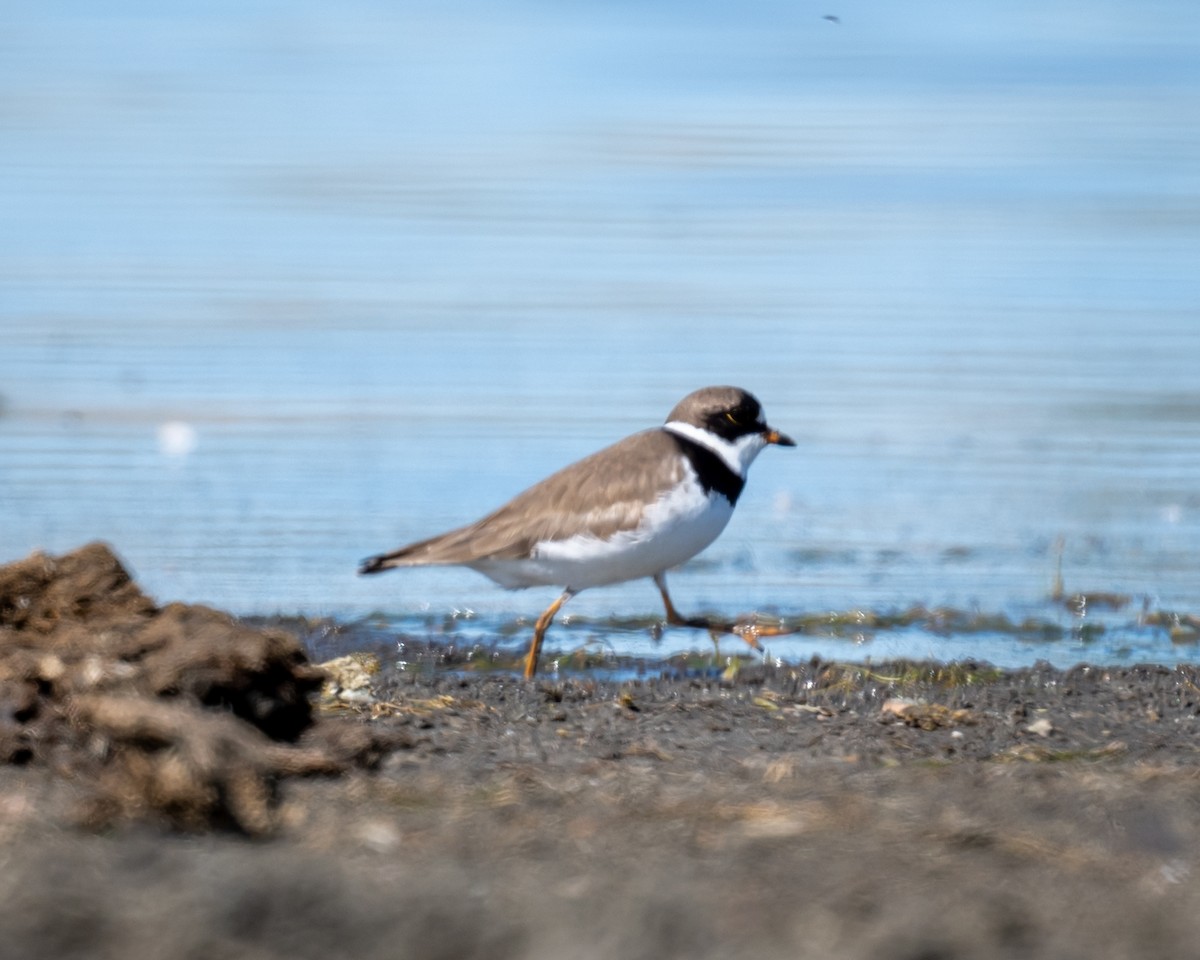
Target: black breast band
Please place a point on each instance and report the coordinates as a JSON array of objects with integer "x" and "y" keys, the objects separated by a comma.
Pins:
[{"x": 712, "y": 472}]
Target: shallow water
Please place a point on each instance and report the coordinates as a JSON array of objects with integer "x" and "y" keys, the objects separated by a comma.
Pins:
[{"x": 284, "y": 285}]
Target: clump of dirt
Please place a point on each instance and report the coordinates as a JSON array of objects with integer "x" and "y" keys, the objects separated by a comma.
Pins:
[{"x": 176, "y": 712}]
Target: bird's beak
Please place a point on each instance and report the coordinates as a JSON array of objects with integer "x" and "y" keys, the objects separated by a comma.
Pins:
[{"x": 780, "y": 439}]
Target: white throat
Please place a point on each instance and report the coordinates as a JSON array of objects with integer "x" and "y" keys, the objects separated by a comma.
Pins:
[{"x": 736, "y": 454}]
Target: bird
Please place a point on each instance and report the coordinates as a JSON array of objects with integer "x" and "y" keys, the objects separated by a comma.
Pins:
[{"x": 634, "y": 509}]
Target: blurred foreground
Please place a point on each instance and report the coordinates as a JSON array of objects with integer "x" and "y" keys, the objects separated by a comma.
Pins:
[{"x": 910, "y": 810}]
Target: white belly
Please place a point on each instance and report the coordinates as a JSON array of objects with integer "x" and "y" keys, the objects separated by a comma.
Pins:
[{"x": 673, "y": 530}]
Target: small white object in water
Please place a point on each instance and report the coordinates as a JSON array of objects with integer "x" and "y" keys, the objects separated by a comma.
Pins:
[{"x": 176, "y": 438}]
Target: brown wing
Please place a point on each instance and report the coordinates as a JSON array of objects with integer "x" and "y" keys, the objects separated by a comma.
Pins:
[{"x": 615, "y": 481}]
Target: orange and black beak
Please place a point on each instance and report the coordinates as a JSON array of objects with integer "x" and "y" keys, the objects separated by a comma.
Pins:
[{"x": 772, "y": 435}]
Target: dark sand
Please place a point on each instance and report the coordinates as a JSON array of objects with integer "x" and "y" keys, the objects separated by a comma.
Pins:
[{"x": 169, "y": 792}]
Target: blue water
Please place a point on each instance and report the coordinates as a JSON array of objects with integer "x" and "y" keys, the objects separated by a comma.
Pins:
[{"x": 383, "y": 265}]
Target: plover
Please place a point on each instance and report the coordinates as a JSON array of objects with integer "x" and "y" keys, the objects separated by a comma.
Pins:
[{"x": 634, "y": 509}]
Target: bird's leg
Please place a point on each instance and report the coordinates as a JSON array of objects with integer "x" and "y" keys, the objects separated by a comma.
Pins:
[
  {"x": 674, "y": 618},
  {"x": 750, "y": 632},
  {"x": 715, "y": 627},
  {"x": 539, "y": 633}
]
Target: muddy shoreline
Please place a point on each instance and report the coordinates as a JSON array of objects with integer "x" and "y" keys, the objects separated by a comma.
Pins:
[{"x": 178, "y": 783}]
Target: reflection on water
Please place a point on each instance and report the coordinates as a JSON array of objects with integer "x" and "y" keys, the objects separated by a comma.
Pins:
[{"x": 286, "y": 285}]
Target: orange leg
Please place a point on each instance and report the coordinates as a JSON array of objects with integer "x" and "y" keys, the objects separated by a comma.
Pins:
[
  {"x": 750, "y": 632},
  {"x": 539, "y": 633},
  {"x": 673, "y": 616}
]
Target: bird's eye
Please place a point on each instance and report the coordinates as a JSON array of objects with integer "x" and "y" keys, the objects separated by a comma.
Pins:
[{"x": 732, "y": 418}]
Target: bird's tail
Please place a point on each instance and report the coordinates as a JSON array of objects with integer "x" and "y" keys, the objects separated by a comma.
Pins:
[
  {"x": 383, "y": 561},
  {"x": 454, "y": 546},
  {"x": 441, "y": 549}
]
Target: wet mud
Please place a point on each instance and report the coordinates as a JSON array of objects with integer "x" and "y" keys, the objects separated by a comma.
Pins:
[{"x": 178, "y": 783}]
